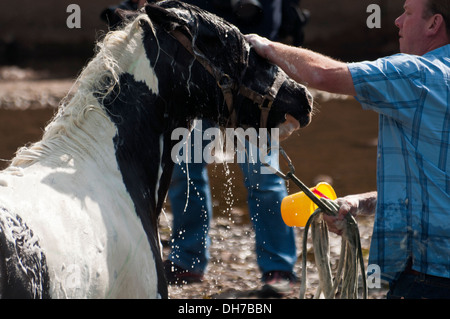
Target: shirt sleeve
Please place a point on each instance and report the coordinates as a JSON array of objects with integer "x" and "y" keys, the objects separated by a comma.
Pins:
[{"x": 391, "y": 86}]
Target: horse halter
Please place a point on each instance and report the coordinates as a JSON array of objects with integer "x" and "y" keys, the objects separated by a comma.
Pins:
[{"x": 229, "y": 86}]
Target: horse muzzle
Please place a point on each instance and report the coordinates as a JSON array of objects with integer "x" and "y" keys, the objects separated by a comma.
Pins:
[
  {"x": 291, "y": 124},
  {"x": 306, "y": 119}
]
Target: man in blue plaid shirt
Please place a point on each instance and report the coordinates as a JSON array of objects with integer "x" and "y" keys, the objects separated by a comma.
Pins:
[{"x": 411, "y": 93}]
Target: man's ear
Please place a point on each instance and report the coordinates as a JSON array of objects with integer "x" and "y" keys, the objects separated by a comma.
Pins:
[{"x": 436, "y": 24}]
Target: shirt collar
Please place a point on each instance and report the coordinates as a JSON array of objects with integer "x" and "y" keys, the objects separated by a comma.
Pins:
[{"x": 444, "y": 50}]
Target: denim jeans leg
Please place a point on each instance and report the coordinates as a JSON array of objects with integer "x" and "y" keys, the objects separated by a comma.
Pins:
[
  {"x": 275, "y": 241},
  {"x": 419, "y": 286},
  {"x": 190, "y": 199}
]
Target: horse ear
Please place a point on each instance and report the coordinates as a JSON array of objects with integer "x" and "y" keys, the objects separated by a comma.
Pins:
[
  {"x": 117, "y": 17},
  {"x": 126, "y": 15},
  {"x": 165, "y": 18}
]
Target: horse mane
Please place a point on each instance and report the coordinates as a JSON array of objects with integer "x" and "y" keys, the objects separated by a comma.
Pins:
[{"x": 69, "y": 128}]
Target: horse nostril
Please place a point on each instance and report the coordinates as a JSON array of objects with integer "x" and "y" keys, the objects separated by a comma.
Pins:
[{"x": 306, "y": 120}]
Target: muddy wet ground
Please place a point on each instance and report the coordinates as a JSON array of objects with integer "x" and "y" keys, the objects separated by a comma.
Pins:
[{"x": 339, "y": 147}]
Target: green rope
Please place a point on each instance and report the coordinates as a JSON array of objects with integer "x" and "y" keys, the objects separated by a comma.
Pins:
[{"x": 351, "y": 254}]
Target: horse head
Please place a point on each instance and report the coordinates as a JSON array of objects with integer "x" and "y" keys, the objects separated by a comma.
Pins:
[{"x": 215, "y": 73}]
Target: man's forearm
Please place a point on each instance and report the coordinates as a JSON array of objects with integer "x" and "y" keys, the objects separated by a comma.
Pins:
[{"x": 307, "y": 67}]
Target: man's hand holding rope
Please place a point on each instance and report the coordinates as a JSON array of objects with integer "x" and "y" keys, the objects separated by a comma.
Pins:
[{"x": 361, "y": 204}]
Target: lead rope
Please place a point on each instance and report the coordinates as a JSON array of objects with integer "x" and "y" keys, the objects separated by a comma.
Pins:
[
  {"x": 351, "y": 252},
  {"x": 350, "y": 257}
]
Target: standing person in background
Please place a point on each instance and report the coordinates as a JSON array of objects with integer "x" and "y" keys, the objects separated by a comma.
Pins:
[{"x": 192, "y": 207}]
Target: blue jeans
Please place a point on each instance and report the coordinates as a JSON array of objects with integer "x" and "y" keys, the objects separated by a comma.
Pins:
[
  {"x": 275, "y": 241},
  {"x": 410, "y": 285}
]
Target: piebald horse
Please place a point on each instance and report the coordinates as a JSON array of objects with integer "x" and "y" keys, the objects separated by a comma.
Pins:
[{"x": 79, "y": 209}]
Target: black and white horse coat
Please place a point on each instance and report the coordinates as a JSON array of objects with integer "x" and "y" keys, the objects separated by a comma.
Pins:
[{"x": 79, "y": 209}]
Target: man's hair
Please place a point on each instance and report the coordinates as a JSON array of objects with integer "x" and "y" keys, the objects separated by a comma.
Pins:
[{"x": 441, "y": 7}]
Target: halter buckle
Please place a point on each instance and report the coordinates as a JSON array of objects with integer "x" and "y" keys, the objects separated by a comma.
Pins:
[
  {"x": 267, "y": 103},
  {"x": 225, "y": 82}
]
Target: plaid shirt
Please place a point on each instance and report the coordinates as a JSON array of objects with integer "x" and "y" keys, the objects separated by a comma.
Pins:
[{"x": 412, "y": 95}]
